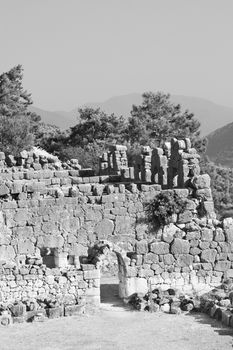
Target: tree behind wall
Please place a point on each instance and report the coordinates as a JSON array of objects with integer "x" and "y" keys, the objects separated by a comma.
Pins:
[
  {"x": 157, "y": 120},
  {"x": 17, "y": 124}
]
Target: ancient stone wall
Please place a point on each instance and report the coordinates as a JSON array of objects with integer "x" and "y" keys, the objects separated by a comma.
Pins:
[
  {"x": 171, "y": 166},
  {"x": 55, "y": 215},
  {"x": 40, "y": 286}
]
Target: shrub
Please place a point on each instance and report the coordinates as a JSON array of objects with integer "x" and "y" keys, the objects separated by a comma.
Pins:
[{"x": 163, "y": 206}]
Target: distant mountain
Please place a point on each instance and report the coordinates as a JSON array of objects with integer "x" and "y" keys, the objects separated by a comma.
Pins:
[
  {"x": 59, "y": 118},
  {"x": 211, "y": 115},
  {"x": 220, "y": 146}
]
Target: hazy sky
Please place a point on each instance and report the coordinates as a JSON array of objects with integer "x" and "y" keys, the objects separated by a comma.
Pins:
[{"x": 77, "y": 51}]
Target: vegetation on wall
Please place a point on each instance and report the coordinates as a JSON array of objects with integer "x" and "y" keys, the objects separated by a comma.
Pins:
[{"x": 160, "y": 211}]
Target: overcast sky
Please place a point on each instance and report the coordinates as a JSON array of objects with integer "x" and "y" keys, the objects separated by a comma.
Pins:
[{"x": 77, "y": 51}]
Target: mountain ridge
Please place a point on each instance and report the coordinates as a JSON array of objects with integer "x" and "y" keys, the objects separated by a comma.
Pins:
[{"x": 211, "y": 115}]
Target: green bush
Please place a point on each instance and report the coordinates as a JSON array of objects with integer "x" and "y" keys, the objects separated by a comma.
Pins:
[{"x": 163, "y": 206}]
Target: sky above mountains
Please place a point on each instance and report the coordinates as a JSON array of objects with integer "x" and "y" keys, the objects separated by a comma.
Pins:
[{"x": 78, "y": 51}]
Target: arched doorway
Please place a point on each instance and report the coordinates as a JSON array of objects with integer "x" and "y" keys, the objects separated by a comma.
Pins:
[{"x": 111, "y": 260}]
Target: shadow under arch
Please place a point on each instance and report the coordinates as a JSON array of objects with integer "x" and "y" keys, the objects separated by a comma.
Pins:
[{"x": 98, "y": 253}]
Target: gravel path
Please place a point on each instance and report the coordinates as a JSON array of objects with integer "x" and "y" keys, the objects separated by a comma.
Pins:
[{"x": 116, "y": 327}]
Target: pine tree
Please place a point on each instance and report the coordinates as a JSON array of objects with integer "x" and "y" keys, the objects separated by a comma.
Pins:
[
  {"x": 17, "y": 124},
  {"x": 157, "y": 120}
]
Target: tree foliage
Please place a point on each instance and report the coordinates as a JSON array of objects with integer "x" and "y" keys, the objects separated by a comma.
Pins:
[
  {"x": 97, "y": 126},
  {"x": 157, "y": 119},
  {"x": 14, "y": 100},
  {"x": 18, "y": 126},
  {"x": 161, "y": 209}
]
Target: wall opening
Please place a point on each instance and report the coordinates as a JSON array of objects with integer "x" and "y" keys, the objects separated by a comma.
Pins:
[{"x": 112, "y": 273}]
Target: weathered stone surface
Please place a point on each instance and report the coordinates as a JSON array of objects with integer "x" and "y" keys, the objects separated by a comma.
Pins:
[
  {"x": 180, "y": 246},
  {"x": 229, "y": 234},
  {"x": 134, "y": 285},
  {"x": 157, "y": 269},
  {"x": 222, "y": 266},
  {"x": 150, "y": 258},
  {"x": 227, "y": 223},
  {"x": 204, "y": 245},
  {"x": 141, "y": 247},
  {"x": 91, "y": 274},
  {"x": 79, "y": 250},
  {"x": 4, "y": 190},
  {"x": 159, "y": 248},
  {"x": 208, "y": 255},
  {"x": 26, "y": 247},
  {"x": 7, "y": 253},
  {"x": 104, "y": 228},
  {"x": 168, "y": 259},
  {"x": 184, "y": 260},
  {"x": 72, "y": 310},
  {"x": 219, "y": 235},
  {"x": 141, "y": 230},
  {"x": 207, "y": 234},
  {"x": 53, "y": 241},
  {"x": 229, "y": 273},
  {"x": 168, "y": 232},
  {"x": 123, "y": 225}
]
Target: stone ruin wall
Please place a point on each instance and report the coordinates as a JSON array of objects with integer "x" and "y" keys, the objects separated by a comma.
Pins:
[
  {"x": 51, "y": 217},
  {"x": 171, "y": 166}
]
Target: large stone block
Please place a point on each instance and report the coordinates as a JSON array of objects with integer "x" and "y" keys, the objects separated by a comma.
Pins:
[
  {"x": 4, "y": 190},
  {"x": 131, "y": 271},
  {"x": 141, "y": 229},
  {"x": 123, "y": 225},
  {"x": 133, "y": 285},
  {"x": 93, "y": 215},
  {"x": 208, "y": 255},
  {"x": 209, "y": 208},
  {"x": 157, "y": 269},
  {"x": 229, "y": 234},
  {"x": 222, "y": 266},
  {"x": 73, "y": 310},
  {"x": 115, "y": 197},
  {"x": 168, "y": 232},
  {"x": 26, "y": 247},
  {"x": 184, "y": 260},
  {"x": 207, "y": 234},
  {"x": 168, "y": 259},
  {"x": 159, "y": 248},
  {"x": 141, "y": 247},
  {"x": 7, "y": 253},
  {"x": 55, "y": 312},
  {"x": 227, "y": 223},
  {"x": 150, "y": 258},
  {"x": 21, "y": 216},
  {"x": 104, "y": 228},
  {"x": 180, "y": 246},
  {"x": 219, "y": 235},
  {"x": 91, "y": 274},
  {"x": 229, "y": 273},
  {"x": 53, "y": 241}
]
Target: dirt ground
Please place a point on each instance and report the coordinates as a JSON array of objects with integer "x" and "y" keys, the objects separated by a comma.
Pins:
[{"x": 116, "y": 327}]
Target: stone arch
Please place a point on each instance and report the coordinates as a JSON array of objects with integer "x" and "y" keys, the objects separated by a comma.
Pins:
[{"x": 98, "y": 253}]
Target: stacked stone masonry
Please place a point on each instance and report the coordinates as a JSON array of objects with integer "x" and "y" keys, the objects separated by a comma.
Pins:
[
  {"x": 171, "y": 166},
  {"x": 51, "y": 218}
]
